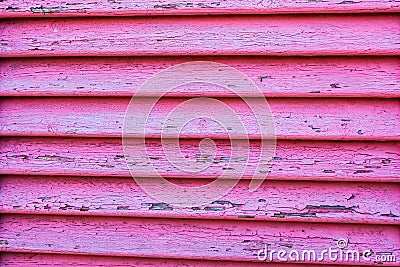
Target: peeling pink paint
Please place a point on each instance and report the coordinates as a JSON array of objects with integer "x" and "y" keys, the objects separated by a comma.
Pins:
[{"x": 332, "y": 82}]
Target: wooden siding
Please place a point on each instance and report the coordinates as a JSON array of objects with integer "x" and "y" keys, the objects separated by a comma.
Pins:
[
  {"x": 295, "y": 118},
  {"x": 240, "y": 35},
  {"x": 33, "y": 260},
  {"x": 298, "y": 201},
  {"x": 30, "y": 8},
  {"x": 276, "y": 77},
  {"x": 332, "y": 82},
  {"x": 193, "y": 239},
  {"x": 294, "y": 160}
]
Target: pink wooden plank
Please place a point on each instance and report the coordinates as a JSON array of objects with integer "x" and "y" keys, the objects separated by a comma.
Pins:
[
  {"x": 242, "y": 35},
  {"x": 34, "y": 260},
  {"x": 276, "y": 77},
  {"x": 322, "y": 119},
  {"x": 274, "y": 200},
  {"x": 56, "y": 8},
  {"x": 188, "y": 239},
  {"x": 294, "y": 160}
]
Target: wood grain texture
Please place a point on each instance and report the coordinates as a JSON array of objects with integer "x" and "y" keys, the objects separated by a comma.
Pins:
[
  {"x": 56, "y": 8},
  {"x": 241, "y": 35},
  {"x": 367, "y": 203},
  {"x": 187, "y": 239},
  {"x": 67, "y": 196},
  {"x": 294, "y": 160},
  {"x": 35, "y": 259},
  {"x": 310, "y": 119},
  {"x": 276, "y": 77}
]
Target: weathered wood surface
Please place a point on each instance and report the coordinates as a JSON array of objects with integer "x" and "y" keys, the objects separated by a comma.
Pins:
[
  {"x": 67, "y": 196},
  {"x": 35, "y": 259},
  {"x": 309, "y": 119},
  {"x": 55, "y": 8},
  {"x": 276, "y": 77},
  {"x": 274, "y": 200},
  {"x": 185, "y": 238},
  {"x": 242, "y": 35},
  {"x": 294, "y": 160}
]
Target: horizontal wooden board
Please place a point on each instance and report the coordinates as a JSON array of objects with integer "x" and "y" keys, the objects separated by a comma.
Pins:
[
  {"x": 276, "y": 77},
  {"x": 294, "y": 160},
  {"x": 56, "y": 8},
  {"x": 314, "y": 119},
  {"x": 230, "y": 35},
  {"x": 35, "y": 260},
  {"x": 274, "y": 200},
  {"x": 189, "y": 239}
]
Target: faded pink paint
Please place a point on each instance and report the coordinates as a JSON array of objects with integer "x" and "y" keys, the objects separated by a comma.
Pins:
[
  {"x": 66, "y": 194},
  {"x": 56, "y": 8},
  {"x": 300, "y": 118},
  {"x": 297, "y": 201},
  {"x": 294, "y": 160},
  {"x": 243, "y": 35},
  {"x": 276, "y": 77},
  {"x": 34, "y": 260},
  {"x": 186, "y": 239}
]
